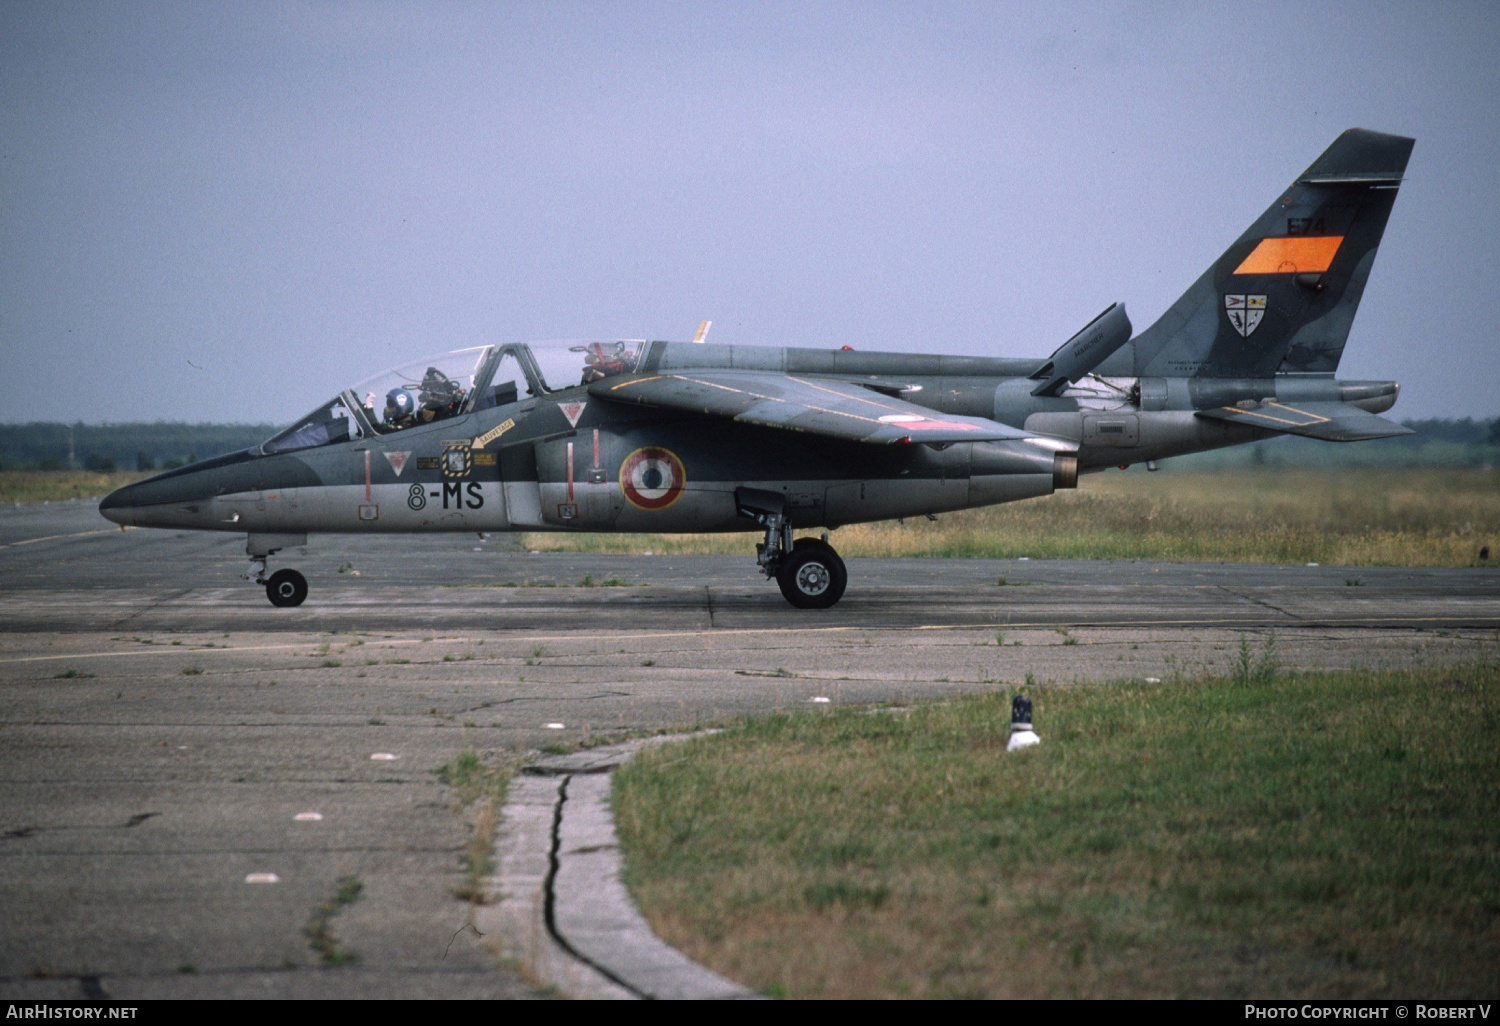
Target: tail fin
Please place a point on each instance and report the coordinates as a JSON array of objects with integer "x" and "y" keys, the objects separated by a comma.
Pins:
[{"x": 1282, "y": 298}]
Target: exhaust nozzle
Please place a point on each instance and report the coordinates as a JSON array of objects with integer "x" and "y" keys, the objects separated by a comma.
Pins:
[{"x": 1065, "y": 470}]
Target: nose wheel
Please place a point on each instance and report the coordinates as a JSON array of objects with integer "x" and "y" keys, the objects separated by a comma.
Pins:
[{"x": 286, "y": 588}]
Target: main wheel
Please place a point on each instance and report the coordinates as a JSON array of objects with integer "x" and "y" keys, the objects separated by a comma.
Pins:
[
  {"x": 813, "y": 576},
  {"x": 286, "y": 588}
]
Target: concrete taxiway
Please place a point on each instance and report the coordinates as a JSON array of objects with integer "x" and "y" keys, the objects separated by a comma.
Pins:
[{"x": 161, "y": 725}]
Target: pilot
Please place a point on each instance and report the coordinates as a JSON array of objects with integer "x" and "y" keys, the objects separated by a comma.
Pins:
[
  {"x": 400, "y": 409},
  {"x": 441, "y": 397},
  {"x": 603, "y": 359}
]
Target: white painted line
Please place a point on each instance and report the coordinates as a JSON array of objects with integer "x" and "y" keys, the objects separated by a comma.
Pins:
[
  {"x": 384, "y": 757},
  {"x": 259, "y": 878},
  {"x": 819, "y": 699},
  {"x": 554, "y": 726},
  {"x": 56, "y": 537},
  {"x": 308, "y": 817},
  {"x": 217, "y": 650},
  {"x": 724, "y": 632}
]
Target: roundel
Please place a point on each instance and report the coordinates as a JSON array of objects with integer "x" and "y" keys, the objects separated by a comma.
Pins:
[{"x": 652, "y": 478}]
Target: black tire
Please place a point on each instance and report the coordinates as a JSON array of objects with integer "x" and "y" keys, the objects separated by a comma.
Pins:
[
  {"x": 813, "y": 576},
  {"x": 286, "y": 588}
]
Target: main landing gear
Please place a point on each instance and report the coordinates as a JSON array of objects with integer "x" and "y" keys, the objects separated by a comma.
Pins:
[
  {"x": 285, "y": 588},
  {"x": 809, "y": 572}
]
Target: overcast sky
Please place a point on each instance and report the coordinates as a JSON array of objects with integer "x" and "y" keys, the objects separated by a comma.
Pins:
[{"x": 223, "y": 211}]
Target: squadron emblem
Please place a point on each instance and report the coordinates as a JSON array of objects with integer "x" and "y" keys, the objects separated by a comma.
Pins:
[
  {"x": 458, "y": 459},
  {"x": 1245, "y": 313}
]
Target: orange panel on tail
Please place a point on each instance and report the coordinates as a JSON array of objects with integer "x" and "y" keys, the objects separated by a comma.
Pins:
[{"x": 1299, "y": 254}]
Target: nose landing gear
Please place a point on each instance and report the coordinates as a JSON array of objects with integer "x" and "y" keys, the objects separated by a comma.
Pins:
[{"x": 285, "y": 588}]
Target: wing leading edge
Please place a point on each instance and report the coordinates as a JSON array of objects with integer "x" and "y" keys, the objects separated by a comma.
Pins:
[{"x": 835, "y": 409}]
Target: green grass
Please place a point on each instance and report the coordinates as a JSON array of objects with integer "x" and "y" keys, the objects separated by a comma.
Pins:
[
  {"x": 1354, "y": 517},
  {"x": 1318, "y": 835}
]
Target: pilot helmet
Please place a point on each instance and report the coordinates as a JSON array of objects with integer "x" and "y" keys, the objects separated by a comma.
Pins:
[{"x": 399, "y": 405}]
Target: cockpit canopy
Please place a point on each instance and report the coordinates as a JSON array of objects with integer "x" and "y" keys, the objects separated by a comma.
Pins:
[{"x": 454, "y": 384}]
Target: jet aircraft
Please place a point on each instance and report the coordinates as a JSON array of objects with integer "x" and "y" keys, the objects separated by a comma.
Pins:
[{"x": 629, "y": 435}]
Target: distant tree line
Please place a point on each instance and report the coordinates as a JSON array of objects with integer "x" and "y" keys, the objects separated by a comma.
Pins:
[
  {"x": 159, "y": 446},
  {"x": 1466, "y": 431},
  {"x": 1436, "y": 442}
]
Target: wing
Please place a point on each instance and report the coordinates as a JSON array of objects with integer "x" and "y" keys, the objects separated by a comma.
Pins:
[
  {"x": 835, "y": 409},
  {"x": 1330, "y": 421}
]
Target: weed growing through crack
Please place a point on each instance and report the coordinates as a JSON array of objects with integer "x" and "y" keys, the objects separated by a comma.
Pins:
[
  {"x": 319, "y": 926},
  {"x": 481, "y": 788}
]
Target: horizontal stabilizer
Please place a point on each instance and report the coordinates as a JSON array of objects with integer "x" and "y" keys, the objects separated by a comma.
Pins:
[
  {"x": 835, "y": 409},
  {"x": 1084, "y": 351},
  {"x": 1330, "y": 421}
]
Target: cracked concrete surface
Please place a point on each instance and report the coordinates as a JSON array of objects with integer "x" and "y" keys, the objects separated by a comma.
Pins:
[
  {"x": 563, "y": 910},
  {"x": 136, "y": 796}
]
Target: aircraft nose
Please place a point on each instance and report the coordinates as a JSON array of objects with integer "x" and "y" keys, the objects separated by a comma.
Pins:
[{"x": 117, "y": 505}]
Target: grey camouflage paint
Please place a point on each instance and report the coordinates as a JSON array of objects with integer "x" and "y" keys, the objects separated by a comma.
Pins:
[{"x": 1190, "y": 382}]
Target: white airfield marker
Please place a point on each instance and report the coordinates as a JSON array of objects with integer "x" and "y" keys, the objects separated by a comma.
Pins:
[{"x": 1021, "y": 734}]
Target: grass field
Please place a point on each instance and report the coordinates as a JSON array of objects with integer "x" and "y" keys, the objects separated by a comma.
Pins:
[
  {"x": 1348, "y": 517},
  {"x": 55, "y": 485},
  {"x": 1321, "y": 835},
  {"x": 1355, "y": 517}
]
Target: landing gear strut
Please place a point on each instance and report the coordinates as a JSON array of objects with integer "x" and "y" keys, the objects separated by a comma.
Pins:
[
  {"x": 285, "y": 587},
  {"x": 809, "y": 572}
]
